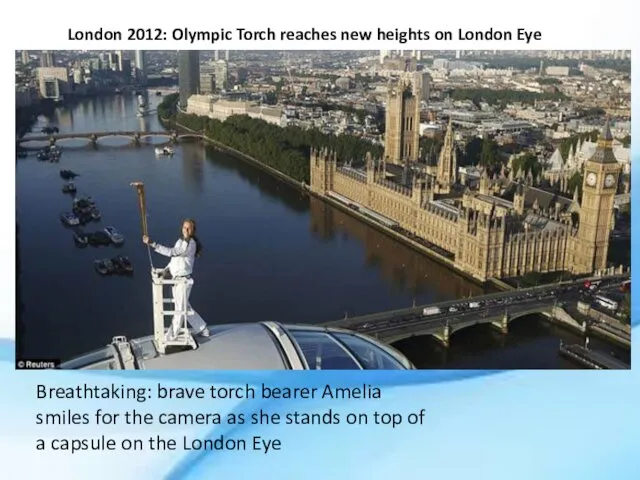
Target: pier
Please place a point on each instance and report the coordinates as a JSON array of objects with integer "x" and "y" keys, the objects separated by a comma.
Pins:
[{"x": 591, "y": 358}]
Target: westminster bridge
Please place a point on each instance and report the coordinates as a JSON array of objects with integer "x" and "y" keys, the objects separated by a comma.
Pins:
[
  {"x": 93, "y": 138},
  {"x": 496, "y": 309}
]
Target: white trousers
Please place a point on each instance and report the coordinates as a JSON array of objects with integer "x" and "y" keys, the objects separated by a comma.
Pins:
[{"x": 181, "y": 293}]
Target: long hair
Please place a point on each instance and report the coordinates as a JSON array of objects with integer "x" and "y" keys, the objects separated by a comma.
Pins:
[{"x": 193, "y": 235}]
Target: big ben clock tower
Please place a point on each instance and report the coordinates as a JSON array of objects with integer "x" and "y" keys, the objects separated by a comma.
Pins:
[{"x": 599, "y": 188}]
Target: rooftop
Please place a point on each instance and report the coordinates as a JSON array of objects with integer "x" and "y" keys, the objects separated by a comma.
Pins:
[{"x": 256, "y": 346}]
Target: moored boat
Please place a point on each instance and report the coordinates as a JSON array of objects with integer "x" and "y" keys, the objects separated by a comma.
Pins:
[
  {"x": 69, "y": 219},
  {"x": 84, "y": 203},
  {"x": 123, "y": 264},
  {"x": 84, "y": 217},
  {"x": 81, "y": 239},
  {"x": 115, "y": 236},
  {"x": 80, "y": 209},
  {"x": 99, "y": 238},
  {"x": 54, "y": 154},
  {"x": 164, "y": 151},
  {"x": 68, "y": 174},
  {"x": 105, "y": 266}
]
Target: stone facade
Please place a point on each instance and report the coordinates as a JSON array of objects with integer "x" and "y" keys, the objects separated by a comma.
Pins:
[
  {"x": 208, "y": 106},
  {"x": 403, "y": 120},
  {"x": 505, "y": 228}
]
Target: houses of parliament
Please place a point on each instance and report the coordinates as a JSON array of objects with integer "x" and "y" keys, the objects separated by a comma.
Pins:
[{"x": 497, "y": 227}]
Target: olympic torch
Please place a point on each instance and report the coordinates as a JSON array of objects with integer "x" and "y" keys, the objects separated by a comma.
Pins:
[{"x": 143, "y": 209}]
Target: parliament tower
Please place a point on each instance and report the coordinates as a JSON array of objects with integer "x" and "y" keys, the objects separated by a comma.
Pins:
[
  {"x": 403, "y": 121},
  {"x": 601, "y": 174}
]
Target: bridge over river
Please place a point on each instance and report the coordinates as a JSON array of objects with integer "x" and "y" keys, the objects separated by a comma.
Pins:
[
  {"x": 93, "y": 138},
  {"x": 496, "y": 309}
]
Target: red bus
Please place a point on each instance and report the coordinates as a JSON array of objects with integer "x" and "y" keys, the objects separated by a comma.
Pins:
[{"x": 592, "y": 285}]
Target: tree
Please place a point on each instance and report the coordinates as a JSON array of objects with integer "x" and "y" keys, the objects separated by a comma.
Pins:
[
  {"x": 530, "y": 279},
  {"x": 625, "y": 309},
  {"x": 626, "y": 141},
  {"x": 270, "y": 98},
  {"x": 527, "y": 163},
  {"x": 284, "y": 149},
  {"x": 167, "y": 108},
  {"x": 502, "y": 97},
  {"x": 572, "y": 141},
  {"x": 488, "y": 155},
  {"x": 472, "y": 152},
  {"x": 431, "y": 146},
  {"x": 548, "y": 81},
  {"x": 575, "y": 181}
]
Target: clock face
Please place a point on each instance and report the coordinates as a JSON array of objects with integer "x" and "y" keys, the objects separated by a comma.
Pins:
[
  {"x": 609, "y": 181},
  {"x": 591, "y": 179}
]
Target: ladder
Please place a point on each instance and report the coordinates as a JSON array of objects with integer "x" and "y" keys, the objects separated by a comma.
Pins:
[{"x": 183, "y": 338}]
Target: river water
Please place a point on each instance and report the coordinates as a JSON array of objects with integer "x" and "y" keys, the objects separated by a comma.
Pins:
[{"x": 270, "y": 253}]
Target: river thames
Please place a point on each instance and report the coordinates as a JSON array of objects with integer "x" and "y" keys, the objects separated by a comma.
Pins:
[{"x": 270, "y": 252}]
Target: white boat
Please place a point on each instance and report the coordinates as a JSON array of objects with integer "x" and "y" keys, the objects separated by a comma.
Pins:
[
  {"x": 164, "y": 151},
  {"x": 115, "y": 236},
  {"x": 70, "y": 219}
]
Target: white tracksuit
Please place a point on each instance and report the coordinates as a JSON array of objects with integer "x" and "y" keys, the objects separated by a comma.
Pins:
[{"x": 183, "y": 256}]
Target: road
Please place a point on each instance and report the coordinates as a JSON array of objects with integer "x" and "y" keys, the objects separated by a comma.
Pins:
[
  {"x": 459, "y": 312},
  {"x": 399, "y": 329}
]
